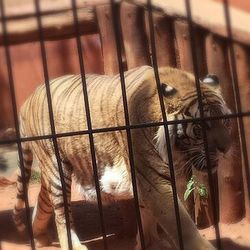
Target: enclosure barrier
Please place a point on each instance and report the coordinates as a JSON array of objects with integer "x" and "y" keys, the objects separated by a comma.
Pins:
[{"x": 162, "y": 33}]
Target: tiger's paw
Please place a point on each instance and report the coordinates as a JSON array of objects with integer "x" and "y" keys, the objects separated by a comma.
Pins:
[{"x": 42, "y": 240}]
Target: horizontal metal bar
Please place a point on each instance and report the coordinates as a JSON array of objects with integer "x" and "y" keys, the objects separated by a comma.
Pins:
[{"x": 119, "y": 128}]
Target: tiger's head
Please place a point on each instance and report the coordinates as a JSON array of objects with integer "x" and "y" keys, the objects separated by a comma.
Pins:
[{"x": 187, "y": 137}]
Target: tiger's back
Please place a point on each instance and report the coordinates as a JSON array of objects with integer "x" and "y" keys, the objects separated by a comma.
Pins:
[{"x": 69, "y": 115}]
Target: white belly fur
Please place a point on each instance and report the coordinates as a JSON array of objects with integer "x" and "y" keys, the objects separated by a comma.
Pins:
[{"x": 114, "y": 182}]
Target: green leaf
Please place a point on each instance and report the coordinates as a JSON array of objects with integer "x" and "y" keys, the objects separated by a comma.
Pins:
[
  {"x": 190, "y": 184},
  {"x": 188, "y": 192},
  {"x": 202, "y": 190}
]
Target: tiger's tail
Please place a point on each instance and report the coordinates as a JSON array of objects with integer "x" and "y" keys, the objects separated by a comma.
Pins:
[{"x": 20, "y": 197}]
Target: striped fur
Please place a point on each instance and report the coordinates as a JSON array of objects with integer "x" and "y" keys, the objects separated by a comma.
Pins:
[{"x": 106, "y": 109}]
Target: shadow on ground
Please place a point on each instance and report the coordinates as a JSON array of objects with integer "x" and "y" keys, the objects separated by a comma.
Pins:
[
  {"x": 87, "y": 223},
  {"x": 228, "y": 244}
]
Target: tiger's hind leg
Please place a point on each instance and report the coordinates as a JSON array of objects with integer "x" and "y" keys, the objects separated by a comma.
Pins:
[
  {"x": 41, "y": 216},
  {"x": 20, "y": 197},
  {"x": 56, "y": 194}
]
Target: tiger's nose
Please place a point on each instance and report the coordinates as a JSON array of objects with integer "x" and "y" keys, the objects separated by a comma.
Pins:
[
  {"x": 223, "y": 144},
  {"x": 219, "y": 138},
  {"x": 223, "y": 149}
]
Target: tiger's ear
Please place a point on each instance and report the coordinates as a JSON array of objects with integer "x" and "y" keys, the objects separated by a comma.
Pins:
[
  {"x": 211, "y": 80},
  {"x": 168, "y": 90}
]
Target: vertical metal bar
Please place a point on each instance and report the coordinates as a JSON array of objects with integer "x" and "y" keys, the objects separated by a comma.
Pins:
[
  {"x": 14, "y": 106},
  {"x": 235, "y": 83},
  {"x": 52, "y": 123},
  {"x": 204, "y": 134},
  {"x": 89, "y": 123},
  {"x": 166, "y": 130},
  {"x": 126, "y": 115}
]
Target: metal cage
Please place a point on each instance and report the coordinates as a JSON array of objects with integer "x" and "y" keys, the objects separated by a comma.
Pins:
[{"x": 184, "y": 43}]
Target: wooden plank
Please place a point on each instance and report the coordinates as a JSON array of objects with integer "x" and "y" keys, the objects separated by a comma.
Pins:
[
  {"x": 229, "y": 171},
  {"x": 184, "y": 48},
  {"x": 242, "y": 56},
  {"x": 23, "y": 28},
  {"x": 55, "y": 26},
  {"x": 185, "y": 61},
  {"x": 134, "y": 36},
  {"x": 164, "y": 42},
  {"x": 106, "y": 29},
  {"x": 17, "y": 9},
  {"x": 206, "y": 14}
]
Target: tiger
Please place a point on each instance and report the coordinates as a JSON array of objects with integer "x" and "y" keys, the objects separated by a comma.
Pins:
[{"x": 150, "y": 151}]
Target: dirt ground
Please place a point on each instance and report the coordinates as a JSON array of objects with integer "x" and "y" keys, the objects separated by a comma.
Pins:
[{"x": 234, "y": 237}]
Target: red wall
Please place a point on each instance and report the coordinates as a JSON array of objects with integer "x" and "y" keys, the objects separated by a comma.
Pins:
[{"x": 62, "y": 58}]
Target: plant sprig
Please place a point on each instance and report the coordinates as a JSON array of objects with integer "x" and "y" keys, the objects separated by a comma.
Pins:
[{"x": 194, "y": 184}]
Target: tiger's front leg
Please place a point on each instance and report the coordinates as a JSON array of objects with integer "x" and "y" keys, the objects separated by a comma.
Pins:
[{"x": 56, "y": 194}]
